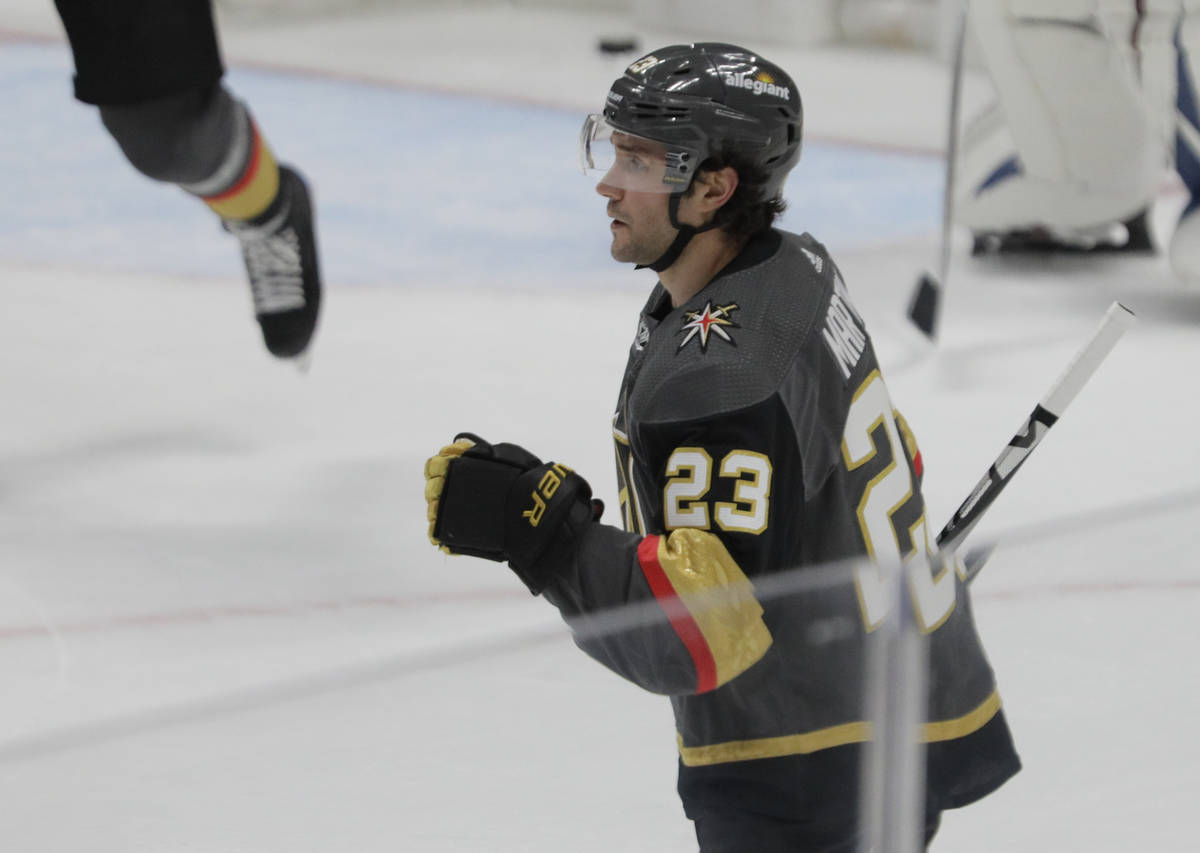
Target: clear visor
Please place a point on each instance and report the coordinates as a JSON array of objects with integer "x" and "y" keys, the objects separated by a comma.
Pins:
[{"x": 630, "y": 162}]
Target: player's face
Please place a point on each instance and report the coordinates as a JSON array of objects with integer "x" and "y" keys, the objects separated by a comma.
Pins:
[{"x": 641, "y": 224}]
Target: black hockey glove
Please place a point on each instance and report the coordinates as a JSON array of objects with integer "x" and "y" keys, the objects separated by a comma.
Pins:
[{"x": 500, "y": 502}]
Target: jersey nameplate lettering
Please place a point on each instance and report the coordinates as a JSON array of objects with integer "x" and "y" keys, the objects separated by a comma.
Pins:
[{"x": 843, "y": 329}]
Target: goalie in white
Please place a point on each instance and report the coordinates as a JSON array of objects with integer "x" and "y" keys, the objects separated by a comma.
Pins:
[{"x": 1095, "y": 99}]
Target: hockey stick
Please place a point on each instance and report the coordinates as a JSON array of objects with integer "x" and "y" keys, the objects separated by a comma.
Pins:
[
  {"x": 1117, "y": 320},
  {"x": 894, "y": 765},
  {"x": 925, "y": 304}
]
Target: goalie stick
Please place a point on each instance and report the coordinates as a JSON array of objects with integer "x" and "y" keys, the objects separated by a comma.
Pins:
[
  {"x": 1117, "y": 319},
  {"x": 924, "y": 306}
]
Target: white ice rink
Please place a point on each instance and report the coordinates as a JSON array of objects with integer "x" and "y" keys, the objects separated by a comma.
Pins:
[{"x": 222, "y": 627}]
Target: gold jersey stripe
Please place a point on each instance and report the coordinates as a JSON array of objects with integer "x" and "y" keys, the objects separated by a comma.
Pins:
[
  {"x": 255, "y": 190},
  {"x": 964, "y": 725},
  {"x": 719, "y": 598},
  {"x": 856, "y": 732}
]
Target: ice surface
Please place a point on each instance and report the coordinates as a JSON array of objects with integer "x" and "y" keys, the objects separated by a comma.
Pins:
[{"x": 221, "y": 625}]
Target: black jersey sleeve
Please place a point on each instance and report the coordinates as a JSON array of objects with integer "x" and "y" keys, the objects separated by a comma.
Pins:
[
  {"x": 720, "y": 501},
  {"x": 675, "y": 614},
  {"x": 738, "y": 475}
]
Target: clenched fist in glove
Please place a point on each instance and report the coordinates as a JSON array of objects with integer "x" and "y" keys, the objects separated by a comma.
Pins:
[{"x": 500, "y": 502}]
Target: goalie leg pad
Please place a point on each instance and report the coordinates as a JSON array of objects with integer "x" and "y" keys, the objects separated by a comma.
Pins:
[{"x": 1070, "y": 143}]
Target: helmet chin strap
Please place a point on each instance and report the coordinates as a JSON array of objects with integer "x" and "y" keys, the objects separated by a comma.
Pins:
[{"x": 683, "y": 236}]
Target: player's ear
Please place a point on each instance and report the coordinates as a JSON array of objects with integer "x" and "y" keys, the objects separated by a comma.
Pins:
[{"x": 715, "y": 187}]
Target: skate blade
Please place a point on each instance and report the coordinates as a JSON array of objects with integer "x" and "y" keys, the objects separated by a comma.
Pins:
[{"x": 303, "y": 361}]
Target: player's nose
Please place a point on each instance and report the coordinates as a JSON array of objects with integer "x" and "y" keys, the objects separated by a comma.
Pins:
[{"x": 608, "y": 190}]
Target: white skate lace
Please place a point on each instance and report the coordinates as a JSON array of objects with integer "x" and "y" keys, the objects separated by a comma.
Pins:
[{"x": 272, "y": 255}]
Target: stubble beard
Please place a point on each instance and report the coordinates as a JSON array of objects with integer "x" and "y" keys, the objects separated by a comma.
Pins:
[{"x": 644, "y": 249}]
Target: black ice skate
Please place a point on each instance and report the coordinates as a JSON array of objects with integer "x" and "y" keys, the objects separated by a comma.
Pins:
[
  {"x": 280, "y": 252},
  {"x": 1130, "y": 236}
]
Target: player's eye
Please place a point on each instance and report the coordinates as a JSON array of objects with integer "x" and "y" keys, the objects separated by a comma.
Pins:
[{"x": 632, "y": 162}]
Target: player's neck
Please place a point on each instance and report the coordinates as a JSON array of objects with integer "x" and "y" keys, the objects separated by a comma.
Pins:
[{"x": 706, "y": 255}]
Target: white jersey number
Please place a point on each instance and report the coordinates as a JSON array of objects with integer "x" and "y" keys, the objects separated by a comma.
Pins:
[
  {"x": 871, "y": 433},
  {"x": 689, "y": 473}
]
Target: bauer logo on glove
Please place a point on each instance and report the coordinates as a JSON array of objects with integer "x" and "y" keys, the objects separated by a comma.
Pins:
[
  {"x": 544, "y": 492},
  {"x": 500, "y": 502}
]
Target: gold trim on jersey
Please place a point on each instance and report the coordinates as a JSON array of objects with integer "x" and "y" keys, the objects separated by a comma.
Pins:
[
  {"x": 718, "y": 597},
  {"x": 964, "y": 725},
  {"x": 846, "y": 733},
  {"x": 255, "y": 190},
  {"x": 632, "y": 517}
]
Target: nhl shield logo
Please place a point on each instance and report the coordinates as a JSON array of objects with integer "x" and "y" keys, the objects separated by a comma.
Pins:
[
  {"x": 712, "y": 320},
  {"x": 643, "y": 335}
]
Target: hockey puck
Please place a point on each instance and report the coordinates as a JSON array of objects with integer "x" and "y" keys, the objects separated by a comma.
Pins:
[{"x": 617, "y": 44}]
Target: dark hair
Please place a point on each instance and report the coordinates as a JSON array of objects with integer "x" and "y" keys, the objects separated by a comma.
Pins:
[{"x": 746, "y": 213}]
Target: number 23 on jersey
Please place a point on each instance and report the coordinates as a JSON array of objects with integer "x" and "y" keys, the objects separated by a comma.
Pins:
[{"x": 871, "y": 442}]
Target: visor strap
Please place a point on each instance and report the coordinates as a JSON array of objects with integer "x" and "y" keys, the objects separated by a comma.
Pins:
[
  {"x": 671, "y": 255},
  {"x": 682, "y": 238}
]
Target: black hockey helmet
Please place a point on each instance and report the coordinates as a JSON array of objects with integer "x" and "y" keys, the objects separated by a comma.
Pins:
[{"x": 694, "y": 99}]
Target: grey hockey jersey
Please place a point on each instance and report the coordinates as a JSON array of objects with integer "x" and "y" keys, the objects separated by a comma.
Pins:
[{"x": 758, "y": 451}]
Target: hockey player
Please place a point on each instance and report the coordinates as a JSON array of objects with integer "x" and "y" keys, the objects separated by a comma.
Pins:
[
  {"x": 1068, "y": 156},
  {"x": 754, "y": 434},
  {"x": 154, "y": 70}
]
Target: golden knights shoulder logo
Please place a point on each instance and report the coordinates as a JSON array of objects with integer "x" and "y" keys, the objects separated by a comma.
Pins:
[{"x": 712, "y": 320}]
